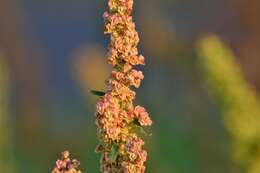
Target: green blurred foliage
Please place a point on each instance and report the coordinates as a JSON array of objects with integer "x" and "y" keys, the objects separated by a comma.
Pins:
[
  {"x": 6, "y": 149},
  {"x": 236, "y": 99}
]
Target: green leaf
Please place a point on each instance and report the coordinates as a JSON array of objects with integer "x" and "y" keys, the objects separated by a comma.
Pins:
[
  {"x": 140, "y": 128},
  {"x": 143, "y": 131},
  {"x": 97, "y": 93},
  {"x": 113, "y": 153}
]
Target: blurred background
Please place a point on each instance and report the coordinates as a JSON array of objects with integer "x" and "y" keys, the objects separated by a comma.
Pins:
[{"x": 206, "y": 113}]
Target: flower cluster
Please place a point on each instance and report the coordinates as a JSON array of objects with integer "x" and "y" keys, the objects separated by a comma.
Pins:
[
  {"x": 66, "y": 165},
  {"x": 116, "y": 115}
]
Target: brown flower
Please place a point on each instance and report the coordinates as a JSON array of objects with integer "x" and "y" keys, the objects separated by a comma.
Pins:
[
  {"x": 66, "y": 165},
  {"x": 122, "y": 151}
]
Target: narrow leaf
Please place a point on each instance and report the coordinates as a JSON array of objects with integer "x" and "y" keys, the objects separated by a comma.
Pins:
[
  {"x": 113, "y": 153},
  {"x": 97, "y": 93}
]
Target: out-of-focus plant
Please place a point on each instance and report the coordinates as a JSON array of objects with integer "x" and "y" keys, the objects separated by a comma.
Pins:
[
  {"x": 6, "y": 147},
  {"x": 237, "y": 100}
]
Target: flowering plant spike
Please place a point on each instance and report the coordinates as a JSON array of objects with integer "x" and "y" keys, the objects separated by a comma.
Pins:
[
  {"x": 116, "y": 116},
  {"x": 66, "y": 165}
]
